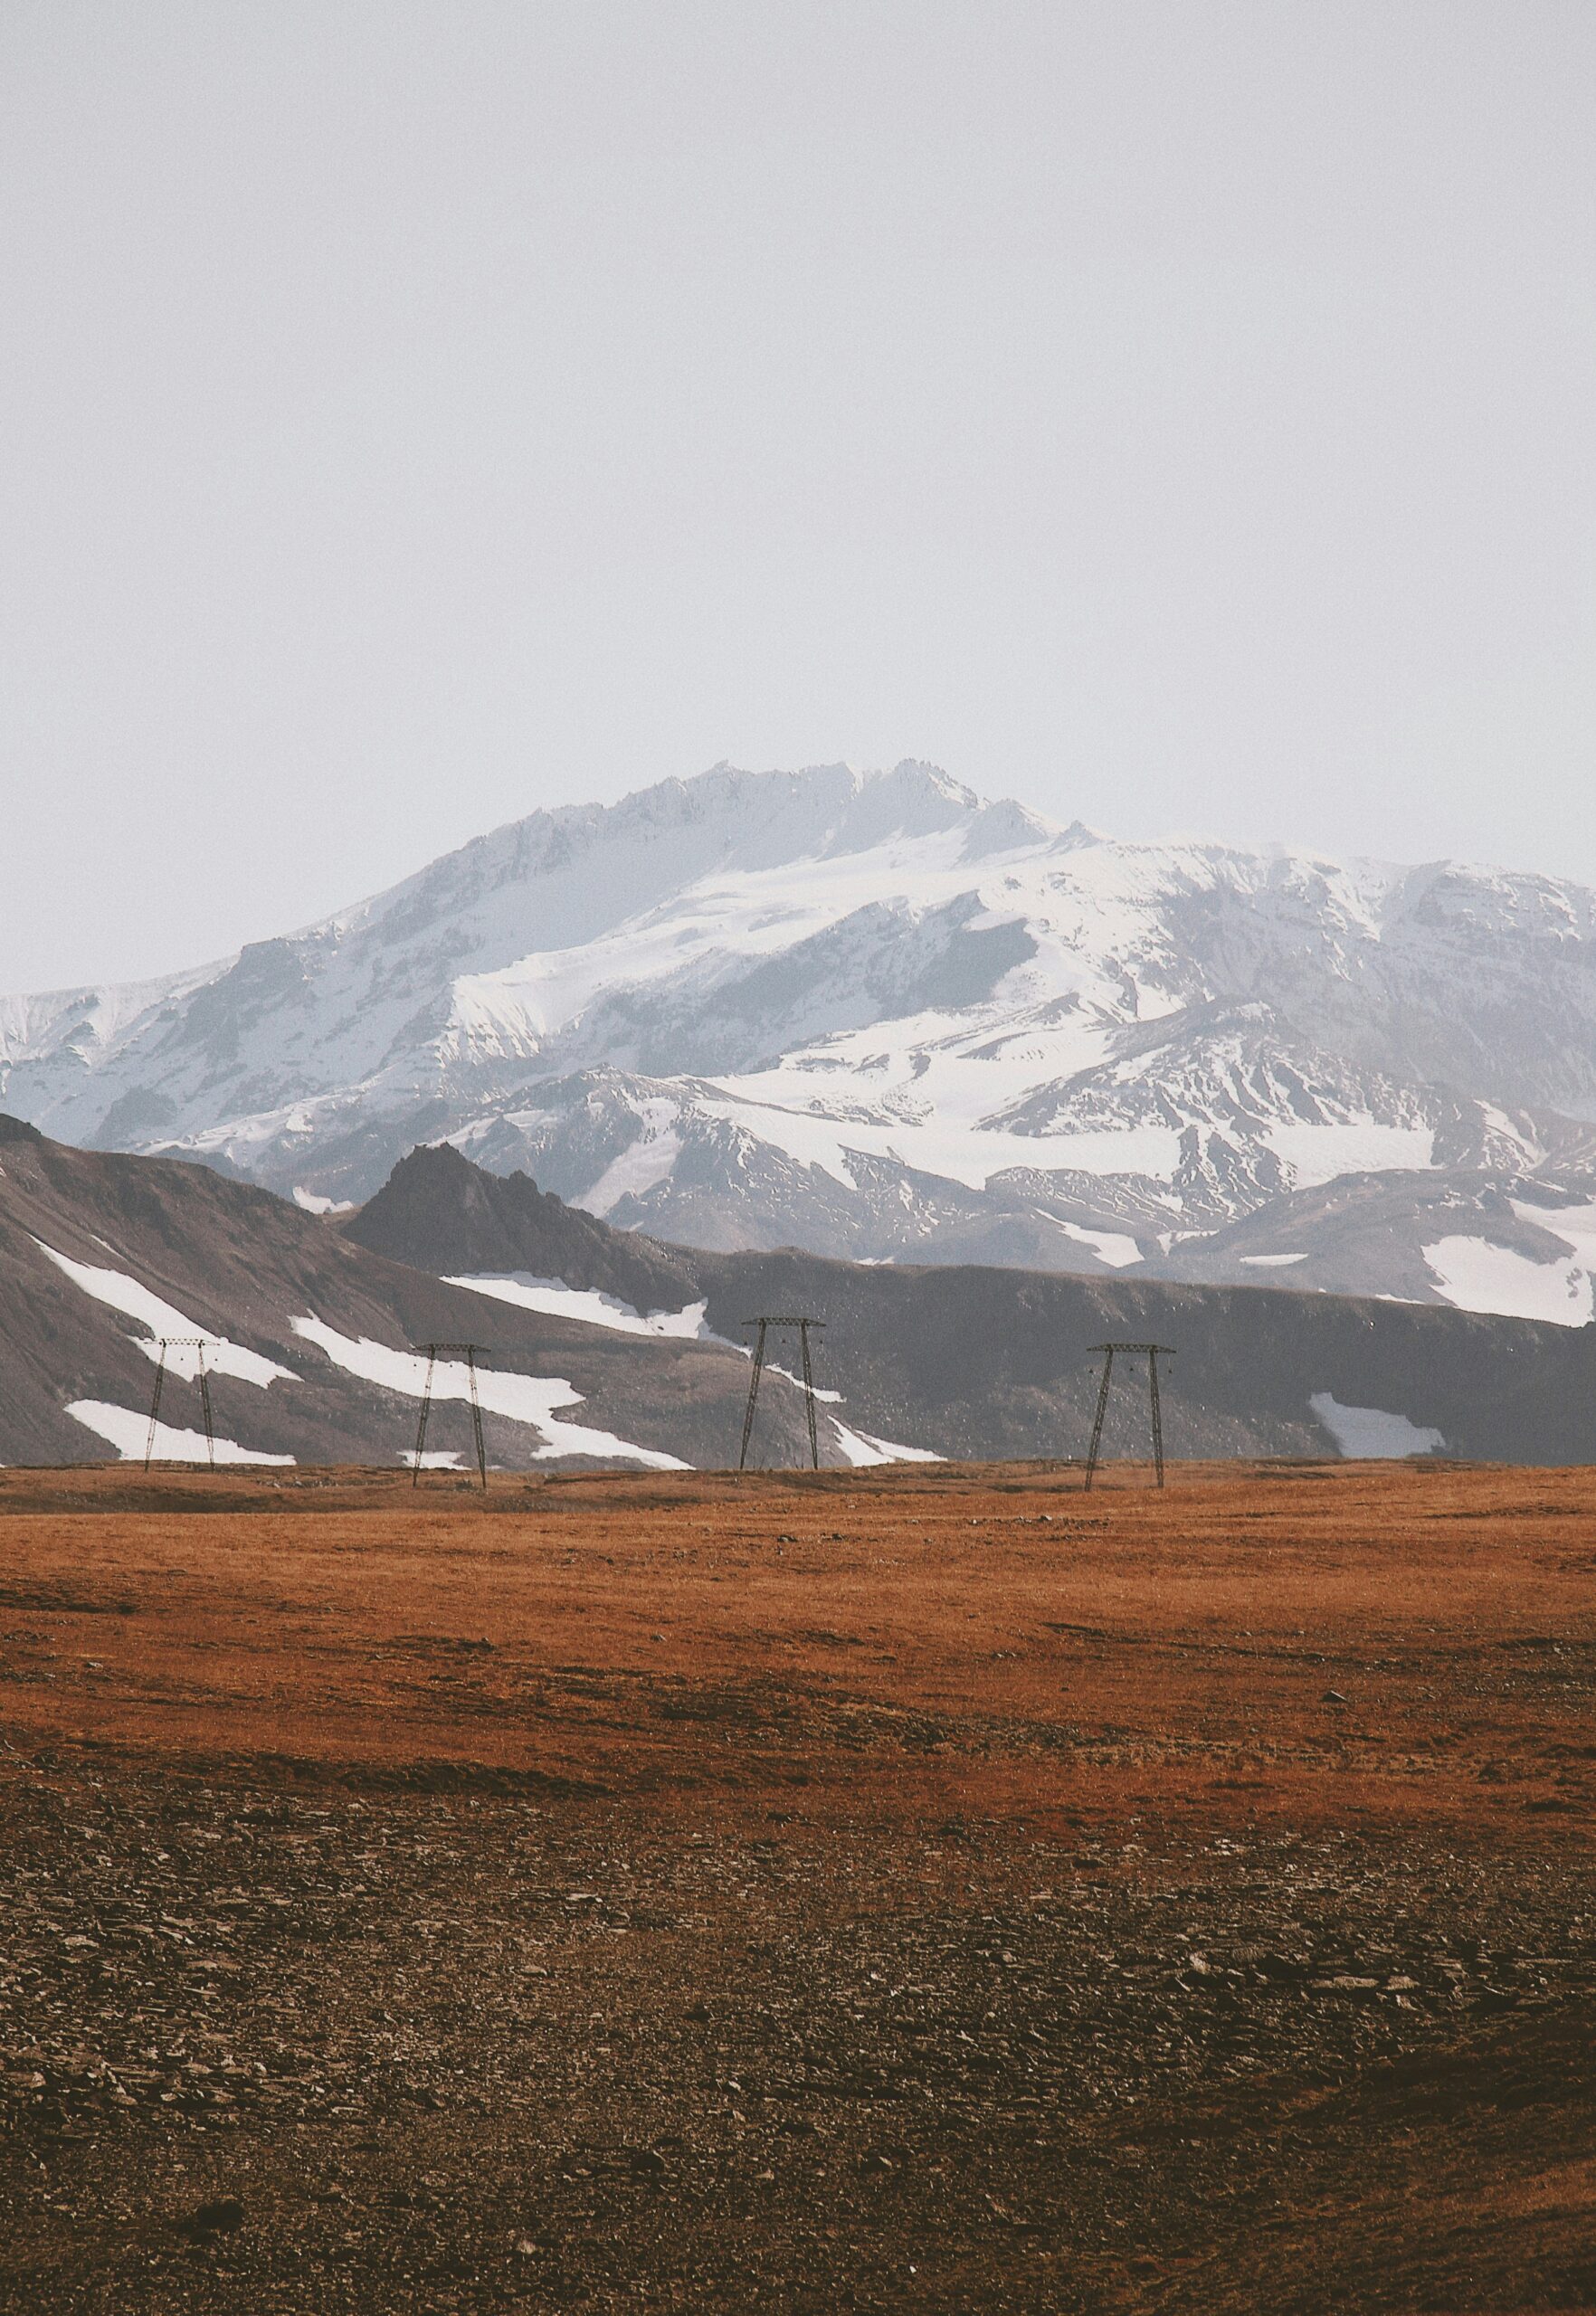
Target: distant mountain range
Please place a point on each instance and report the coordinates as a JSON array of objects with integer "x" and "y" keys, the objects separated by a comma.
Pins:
[
  {"x": 602, "y": 1346},
  {"x": 876, "y": 1017}
]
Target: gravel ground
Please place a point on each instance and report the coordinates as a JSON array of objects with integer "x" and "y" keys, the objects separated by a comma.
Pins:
[{"x": 373, "y": 2051}]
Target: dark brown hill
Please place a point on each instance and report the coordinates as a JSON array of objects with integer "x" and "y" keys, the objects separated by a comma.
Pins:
[
  {"x": 100, "y": 1254},
  {"x": 973, "y": 1362}
]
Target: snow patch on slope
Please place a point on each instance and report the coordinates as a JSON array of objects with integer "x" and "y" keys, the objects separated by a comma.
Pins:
[
  {"x": 1371, "y": 1433},
  {"x": 1115, "y": 1248},
  {"x": 861, "y": 1449},
  {"x": 531, "y": 1400},
  {"x": 1574, "y": 1225},
  {"x": 640, "y": 1168},
  {"x": 135, "y": 1301},
  {"x": 1319, "y": 1154},
  {"x": 817, "y": 1392},
  {"x": 128, "y": 1431},
  {"x": 586, "y": 1306},
  {"x": 811, "y": 1134},
  {"x": 1476, "y": 1275},
  {"x": 313, "y": 1202}
]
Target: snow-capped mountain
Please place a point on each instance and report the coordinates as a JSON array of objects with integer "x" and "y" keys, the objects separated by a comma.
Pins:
[{"x": 875, "y": 1016}]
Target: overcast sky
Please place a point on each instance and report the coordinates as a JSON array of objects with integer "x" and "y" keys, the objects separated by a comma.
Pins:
[{"x": 1179, "y": 416}]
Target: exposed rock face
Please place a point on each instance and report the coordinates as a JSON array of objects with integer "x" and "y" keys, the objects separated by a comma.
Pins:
[
  {"x": 440, "y": 1214},
  {"x": 876, "y": 1017}
]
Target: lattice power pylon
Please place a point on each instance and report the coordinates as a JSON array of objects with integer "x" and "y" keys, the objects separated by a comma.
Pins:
[
  {"x": 1153, "y": 1352},
  {"x": 803, "y": 1325},
  {"x": 434, "y": 1352},
  {"x": 199, "y": 1345}
]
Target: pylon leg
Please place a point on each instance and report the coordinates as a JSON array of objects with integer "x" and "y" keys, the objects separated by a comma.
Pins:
[
  {"x": 808, "y": 1392},
  {"x": 155, "y": 1407},
  {"x": 204, "y": 1384},
  {"x": 753, "y": 1397},
  {"x": 1097, "y": 1420},
  {"x": 421, "y": 1429},
  {"x": 477, "y": 1419},
  {"x": 1157, "y": 1415}
]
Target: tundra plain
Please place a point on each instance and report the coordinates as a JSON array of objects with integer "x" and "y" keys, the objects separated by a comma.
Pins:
[{"x": 934, "y": 1889}]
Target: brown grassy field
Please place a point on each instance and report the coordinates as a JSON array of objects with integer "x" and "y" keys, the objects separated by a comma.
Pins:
[{"x": 934, "y": 1889}]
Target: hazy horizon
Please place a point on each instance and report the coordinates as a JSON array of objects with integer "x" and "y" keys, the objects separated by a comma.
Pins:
[{"x": 1175, "y": 418}]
